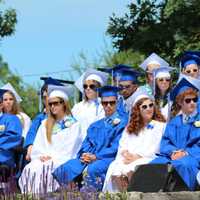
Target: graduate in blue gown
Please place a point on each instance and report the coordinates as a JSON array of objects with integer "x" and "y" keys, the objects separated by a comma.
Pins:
[
  {"x": 100, "y": 145},
  {"x": 10, "y": 135},
  {"x": 125, "y": 77},
  {"x": 180, "y": 144},
  {"x": 40, "y": 117}
]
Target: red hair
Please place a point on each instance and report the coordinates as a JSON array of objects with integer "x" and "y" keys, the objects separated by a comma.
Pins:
[{"x": 136, "y": 123}]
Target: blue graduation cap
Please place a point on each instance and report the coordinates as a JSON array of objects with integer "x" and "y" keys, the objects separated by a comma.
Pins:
[
  {"x": 129, "y": 75},
  {"x": 108, "y": 90},
  {"x": 51, "y": 81},
  {"x": 196, "y": 53},
  {"x": 189, "y": 58},
  {"x": 184, "y": 84},
  {"x": 116, "y": 69},
  {"x": 153, "y": 59},
  {"x": 2, "y": 91}
]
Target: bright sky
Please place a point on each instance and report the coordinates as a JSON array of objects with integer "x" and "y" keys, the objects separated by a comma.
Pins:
[{"x": 49, "y": 34}]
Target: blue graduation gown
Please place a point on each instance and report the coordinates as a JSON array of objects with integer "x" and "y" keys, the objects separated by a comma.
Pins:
[
  {"x": 121, "y": 106},
  {"x": 102, "y": 140},
  {"x": 186, "y": 137},
  {"x": 10, "y": 137},
  {"x": 33, "y": 129}
]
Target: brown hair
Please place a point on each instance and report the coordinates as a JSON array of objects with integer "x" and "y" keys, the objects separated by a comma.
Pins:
[
  {"x": 96, "y": 83},
  {"x": 52, "y": 119},
  {"x": 136, "y": 123},
  {"x": 176, "y": 107},
  {"x": 15, "y": 110}
]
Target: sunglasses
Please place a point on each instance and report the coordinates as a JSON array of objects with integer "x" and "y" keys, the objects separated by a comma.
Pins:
[
  {"x": 164, "y": 79},
  {"x": 189, "y": 100},
  {"x": 144, "y": 107},
  {"x": 92, "y": 87},
  {"x": 123, "y": 87},
  {"x": 105, "y": 103},
  {"x": 55, "y": 103},
  {"x": 191, "y": 70}
]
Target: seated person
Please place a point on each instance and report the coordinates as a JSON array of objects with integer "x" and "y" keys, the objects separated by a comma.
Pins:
[
  {"x": 58, "y": 140},
  {"x": 139, "y": 142},
  {"x": 181, "y": 140},
  {"x": 11, "y": 135},
  {"x": 28, "y": 144},
  {"x": 100, "y": 145}
]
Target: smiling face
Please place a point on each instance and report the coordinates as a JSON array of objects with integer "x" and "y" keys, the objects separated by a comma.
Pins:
[
  {"x": 147, "y": 110},
  {"x": 163, "y": 84}
]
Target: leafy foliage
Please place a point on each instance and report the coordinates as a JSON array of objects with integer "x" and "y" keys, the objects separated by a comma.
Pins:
[
  {"x": 8, "y": 20},
  {"x": 167, "y": 27},
  {"x": 27, "y": 92}
]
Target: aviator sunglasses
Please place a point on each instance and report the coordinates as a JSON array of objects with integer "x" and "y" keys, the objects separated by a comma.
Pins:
[
  {"x": 105, "y": 103},
  {"x": 144, "y": 107},
  {"x": 189, "y": 100},
  {"x": 54, "y": 103},
  {"x": 92, "y": 86}
]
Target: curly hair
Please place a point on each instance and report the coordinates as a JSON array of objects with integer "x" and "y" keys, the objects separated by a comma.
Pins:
[
  {"x": 136, "y": 123},
  {"x": 176, "y": 107}
]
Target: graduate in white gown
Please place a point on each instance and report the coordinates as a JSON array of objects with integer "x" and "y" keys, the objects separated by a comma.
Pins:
[
  {"x": 11, "y": 105},
  {"x": 139, "y": 143},
  {"x": 89, "y": 109},
  {"x": 58, "y": 139},
  {"x": 161, "y": 87},
  {"x": 148, "y": 65}
]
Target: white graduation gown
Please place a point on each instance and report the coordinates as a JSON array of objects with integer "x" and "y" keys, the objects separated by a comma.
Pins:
[
  {"x": 86, "y": 112},
  {"x": 26, "y": 123},
  {"x": 146, "y": 144},
  {"x": 36, "y": 176}
]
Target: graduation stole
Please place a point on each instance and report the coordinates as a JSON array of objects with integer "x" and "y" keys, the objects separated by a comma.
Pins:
[{"x": 65, "y": 123}]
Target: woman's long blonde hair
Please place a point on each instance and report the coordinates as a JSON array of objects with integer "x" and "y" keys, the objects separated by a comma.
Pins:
[{"x": 52, "y": 119}]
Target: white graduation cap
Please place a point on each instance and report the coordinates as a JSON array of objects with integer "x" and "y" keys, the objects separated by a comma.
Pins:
[
  {"x": 153, "y": 59},
  {"x": 139, "y": 94},
  {"x": 91, "y": 74},
  {"x": 9, "y": 87},
  {"x": 59, "y": 91},
  {"x": 161, "y": 72}
]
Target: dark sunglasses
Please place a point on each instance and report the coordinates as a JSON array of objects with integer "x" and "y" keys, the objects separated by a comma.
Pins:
[
  {"x": 123, "y": 87},
  {"x": 105, "y": 103},
  {"x": 92, "y": 87},
  {"x": 144, "y": 107},
  {"x": 191, "y": 70},
  {"x": 54, "y": 103},
  {"x": 188, "y": 100},
  {"x": 164, "y": 79}
]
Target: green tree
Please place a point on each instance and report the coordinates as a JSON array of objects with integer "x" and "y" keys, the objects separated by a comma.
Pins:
[
  {"x": 29, "y": 94},
  {"x": 8, "y": 20},
  {"x": 167, "y": 27}
]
